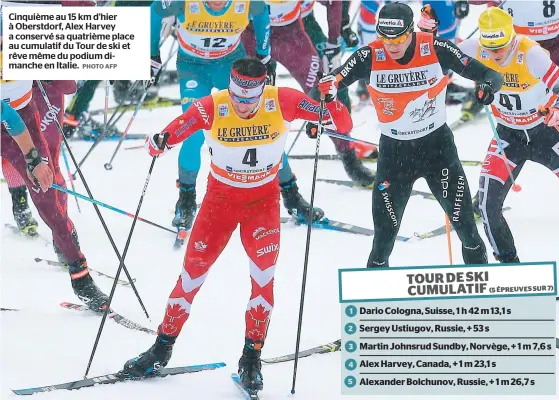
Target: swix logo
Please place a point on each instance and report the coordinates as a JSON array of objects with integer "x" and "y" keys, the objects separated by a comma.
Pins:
[
  {"x": 6, "y": 125},
  {"x": 347, "y": 68},
  {"x": 49, "y": 117},
  {"x": 268, "y": 249},
  {"x": 200, "y": 246},
  {"x": 384, "y": 185},
  {"x": 202, "y": 112}
]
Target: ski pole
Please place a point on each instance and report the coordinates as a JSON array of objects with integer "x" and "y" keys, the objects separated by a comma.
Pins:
[
  {"x": 86, "y": 186},
  {"x": 108, "y": 206},
  {"x": 70, "y": 177},
  {"x": 106, "y": 110},
  {"x": 307, "y": 246},
  {"x": 348, "y": 138},
  {"x": 477, "y": 27},
  {"x": 448, "y": 241},
  {"x": 110, "y": 125},
  {"x": 108, "y": 166},
  {"x": 134, "y": 147},
  {"x": 125, "y": 251},
  {"x": 515, "y": 186}
]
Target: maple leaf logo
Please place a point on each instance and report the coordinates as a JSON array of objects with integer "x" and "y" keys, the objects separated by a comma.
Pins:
[{"x": 260, "y": 318}]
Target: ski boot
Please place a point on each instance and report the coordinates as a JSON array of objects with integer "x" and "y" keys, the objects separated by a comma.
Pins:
[
  {"x": 58, "y": 252},
  {"x": 185, "y": 210},
  {"x": 71, "y": 124},
  {"x": 82, "y": 127},
  {"x": 85, "y": 288},
  {"x": 510, "y": 257},
  {"x": 250, "y": 367},
  {"x": 296, "y": 205},
  {"x": 355, "y": 168},
  {"x": 456, "y": 94},
  {"x": 22, "y": 214},
  {"x": 121, "y": 91},
  {"x": 350, "y": 38},
  {"x": 149, "y": 362}
]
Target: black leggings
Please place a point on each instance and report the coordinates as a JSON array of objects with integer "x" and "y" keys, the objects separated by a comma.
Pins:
[
  {"x": 400, "y": 164},
  {"x": 539, "y": 144}
]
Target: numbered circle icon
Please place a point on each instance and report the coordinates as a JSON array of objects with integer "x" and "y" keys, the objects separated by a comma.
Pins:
[
  {"x": 350, "y": 346},
  {"x": 350, "y": 329},
  {"x": 351, "y": 364},
  {"x": 351, "y": 311},
  {"x": 350, "y": 381}
]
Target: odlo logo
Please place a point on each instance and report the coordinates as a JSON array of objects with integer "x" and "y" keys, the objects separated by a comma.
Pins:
[
  {"x": 267, "y": 249},
  {"x": 444, "y": 182}
]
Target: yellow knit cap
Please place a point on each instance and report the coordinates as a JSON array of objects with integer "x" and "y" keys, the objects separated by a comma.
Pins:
[{"x": 495, "y": 28}]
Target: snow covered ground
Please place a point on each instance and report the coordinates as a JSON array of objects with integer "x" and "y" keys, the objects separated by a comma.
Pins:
[{"x": 44, "y": 344}]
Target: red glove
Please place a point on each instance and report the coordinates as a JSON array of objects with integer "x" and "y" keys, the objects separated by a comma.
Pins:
[
  {"x": 156, "y": 145},
  {"x": 428, "y": 22},
  {"x": 328, "y": 88},
  {"x": 551, "y": 116}
]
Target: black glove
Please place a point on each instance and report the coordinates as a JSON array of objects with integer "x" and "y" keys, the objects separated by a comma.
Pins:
[
  {"x": 155, "y": 72},
  {"x": 311, "y": 130},
  {"x": 350, "y": 38},
  {"x": 270, "y": 69},
  {"x": 331, "y": 56},
  {"x": 485, "y": 93},
  {"x": 461, "y": 9},
  {"x": 32, "y": 160}
]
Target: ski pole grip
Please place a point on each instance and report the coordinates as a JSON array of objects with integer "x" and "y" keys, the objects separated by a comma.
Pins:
[{"x": 163, "y": 137}]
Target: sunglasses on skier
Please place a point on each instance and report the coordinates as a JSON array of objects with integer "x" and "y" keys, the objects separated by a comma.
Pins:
[
  {"x": 244, "y": 100},
  {"x": 397, "y": 40}
]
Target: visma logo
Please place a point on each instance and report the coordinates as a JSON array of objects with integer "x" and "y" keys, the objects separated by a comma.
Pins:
[{"x": 384, "y": 185}]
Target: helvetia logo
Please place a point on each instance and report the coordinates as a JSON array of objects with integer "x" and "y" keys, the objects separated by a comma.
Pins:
[
  {"x": 389, "y": 22},
  {"x": 492, "y": 35}
]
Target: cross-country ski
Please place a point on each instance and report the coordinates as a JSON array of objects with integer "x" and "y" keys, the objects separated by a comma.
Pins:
[{"x": 117, "y": 377}]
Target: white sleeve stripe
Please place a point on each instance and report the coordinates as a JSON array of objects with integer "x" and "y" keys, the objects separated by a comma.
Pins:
[{"x": 551, "y": 73}]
